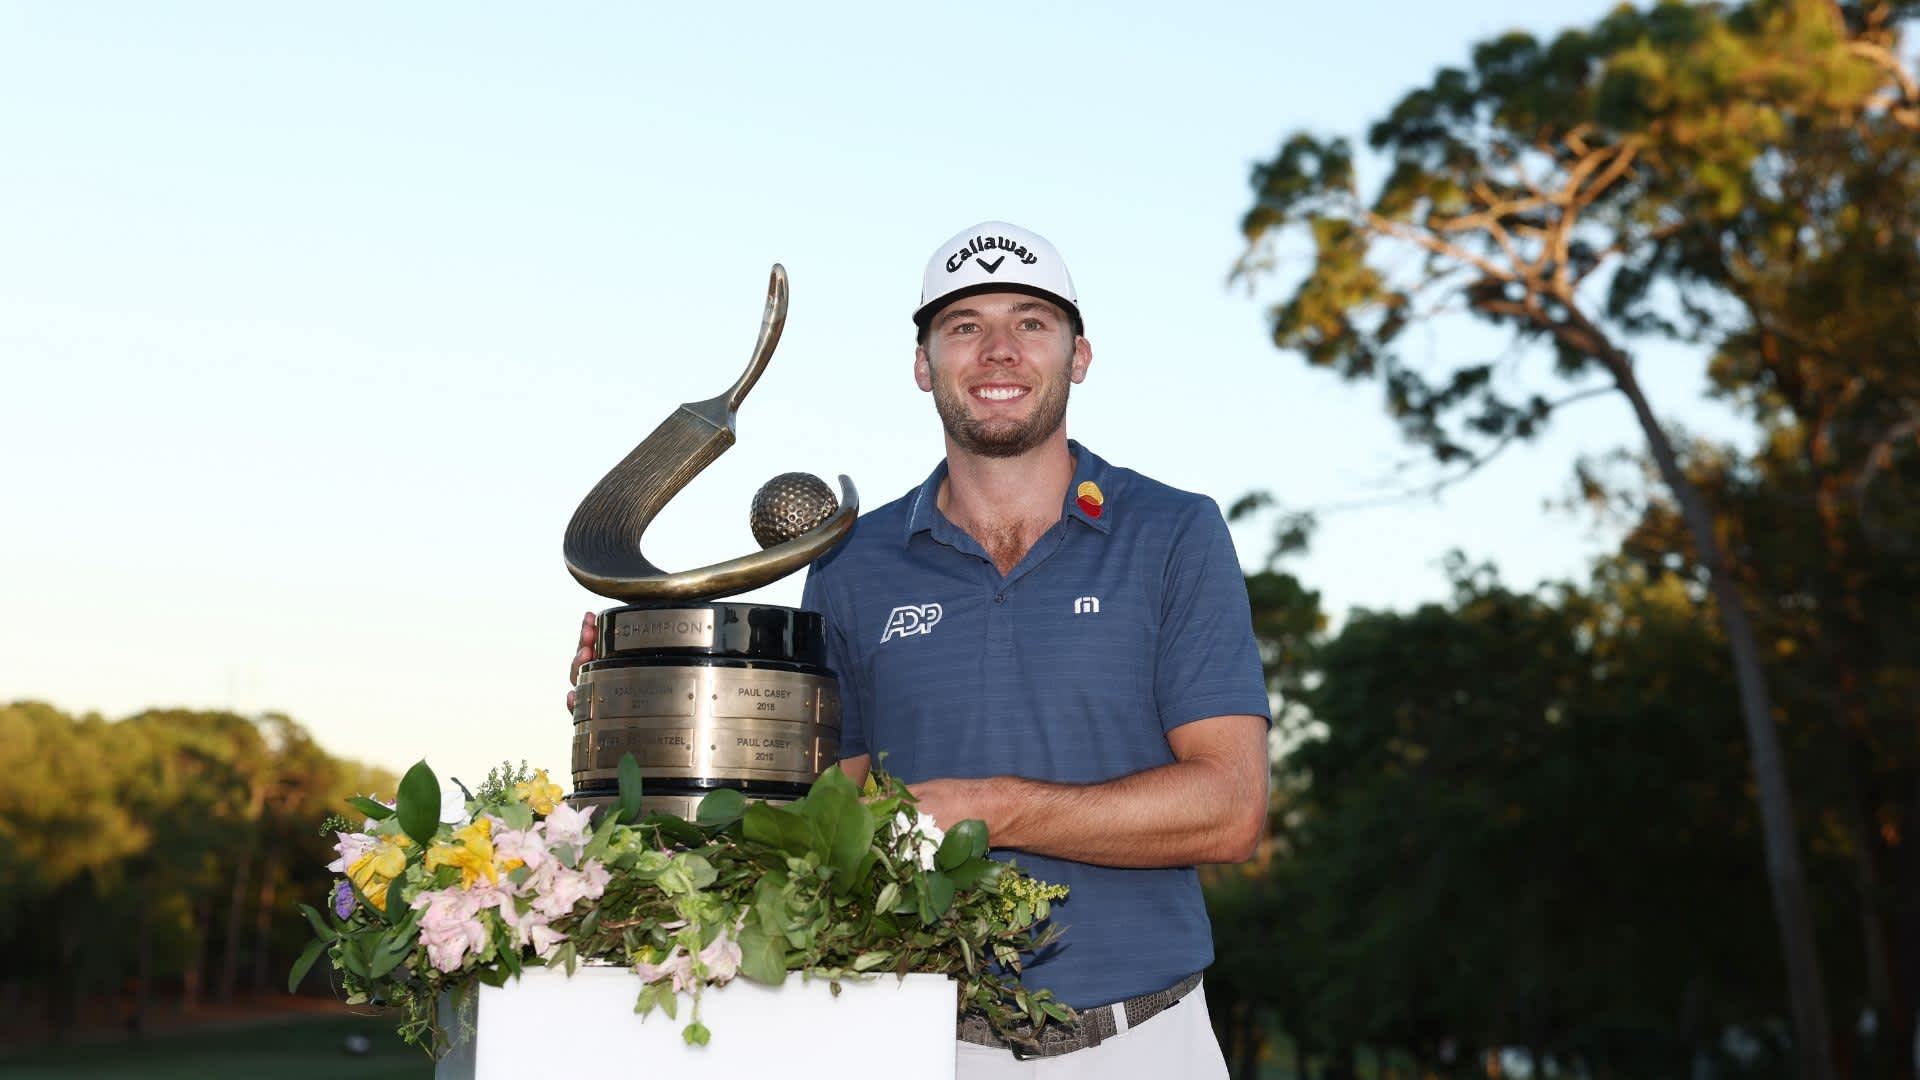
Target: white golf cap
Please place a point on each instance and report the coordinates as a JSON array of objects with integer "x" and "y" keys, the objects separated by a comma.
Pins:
[{"x": 994, "y": 256}]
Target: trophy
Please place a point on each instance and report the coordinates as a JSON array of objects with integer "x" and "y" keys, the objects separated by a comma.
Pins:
[{"x": 704, "y": 695}]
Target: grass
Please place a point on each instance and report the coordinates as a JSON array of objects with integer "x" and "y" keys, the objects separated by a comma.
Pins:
[{"x": 294, "y": 1048}]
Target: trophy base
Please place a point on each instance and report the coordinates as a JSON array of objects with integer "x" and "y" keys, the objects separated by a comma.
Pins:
[
  {"x": 705, "y": 696},
  {"x": 682, "y": 798}
]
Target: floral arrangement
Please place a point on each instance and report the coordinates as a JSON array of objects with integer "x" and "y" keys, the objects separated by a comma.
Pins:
[{"x": 446, "y": 889}]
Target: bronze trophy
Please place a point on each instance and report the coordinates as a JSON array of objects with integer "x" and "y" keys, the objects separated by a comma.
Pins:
[{"x": 704, "y": 695}]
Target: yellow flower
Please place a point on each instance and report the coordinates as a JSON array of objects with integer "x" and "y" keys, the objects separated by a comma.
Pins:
[
  {"x": 471, "y": 849},
  {"x": 380, "y": 865},
  {"x": 539, "y": 793}
]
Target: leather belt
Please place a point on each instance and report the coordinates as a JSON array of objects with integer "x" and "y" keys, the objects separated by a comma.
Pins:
[{"x": 1093, "y": 1026}]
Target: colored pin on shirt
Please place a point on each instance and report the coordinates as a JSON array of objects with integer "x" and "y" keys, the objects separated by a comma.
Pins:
[{"x": 1089, "y": 499}]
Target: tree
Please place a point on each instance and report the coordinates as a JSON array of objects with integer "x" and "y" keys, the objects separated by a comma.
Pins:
[
  {"x": 1520, "y": 823},
  {"x": 1560, "y": 191}
]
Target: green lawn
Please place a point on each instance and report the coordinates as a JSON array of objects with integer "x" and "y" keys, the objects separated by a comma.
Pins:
[{"x": 292, "y": 1049}]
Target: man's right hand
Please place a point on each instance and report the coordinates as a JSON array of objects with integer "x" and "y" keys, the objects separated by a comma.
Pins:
[{"x": 589, "y": 633}]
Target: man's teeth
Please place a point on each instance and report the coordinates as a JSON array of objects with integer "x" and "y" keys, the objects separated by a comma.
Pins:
[{"x": 999, "y": 393}]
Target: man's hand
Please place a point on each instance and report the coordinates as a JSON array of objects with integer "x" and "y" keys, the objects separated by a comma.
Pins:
[
  {"x": 1208, "y": 806},
  {"x": 949, "y": 802},
  {"x": 589, "y": 633}
]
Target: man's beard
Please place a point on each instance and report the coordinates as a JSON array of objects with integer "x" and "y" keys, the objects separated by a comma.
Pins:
[{"x": 1001, "y": 438}]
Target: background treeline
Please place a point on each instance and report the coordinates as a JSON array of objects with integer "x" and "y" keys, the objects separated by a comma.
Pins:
[
  {"x": 153, "y": 862},
  {"x": 1661, "y": 823}
]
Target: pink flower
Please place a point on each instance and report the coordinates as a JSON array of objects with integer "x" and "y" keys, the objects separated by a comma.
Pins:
[
  {"x": 545, "y": 939},
  {"x": 568, "y": 827},
  {"x": 526, "y": 845},
  {"x": 451, "y": 927},
  {"x": 721, "y": 958},
  {"x": 557, "y": 888},
  {"x": 677, "y": 964},
  {"x": 352, "y": 845}
]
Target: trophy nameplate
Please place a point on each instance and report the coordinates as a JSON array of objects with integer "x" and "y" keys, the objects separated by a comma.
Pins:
[{"x": 704, "y": 695}]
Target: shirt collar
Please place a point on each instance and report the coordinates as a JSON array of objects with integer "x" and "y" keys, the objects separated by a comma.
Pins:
[{"x": 923, "y": 512}]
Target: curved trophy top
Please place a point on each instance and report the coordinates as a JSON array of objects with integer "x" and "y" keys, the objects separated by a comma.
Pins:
[{"x": 603, "y": 539}]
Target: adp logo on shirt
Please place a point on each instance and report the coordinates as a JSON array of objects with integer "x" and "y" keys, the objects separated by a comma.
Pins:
[{"x": 910, "y": 619}]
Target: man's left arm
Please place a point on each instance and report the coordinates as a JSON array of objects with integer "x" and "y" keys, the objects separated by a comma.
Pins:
[{"x": 1208, "y": 805}]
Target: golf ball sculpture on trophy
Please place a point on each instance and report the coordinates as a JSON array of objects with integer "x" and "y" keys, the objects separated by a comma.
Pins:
[{"x": 704, "y": 695}]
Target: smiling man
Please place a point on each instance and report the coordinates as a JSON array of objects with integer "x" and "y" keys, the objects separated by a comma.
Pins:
[{"x": 1061, "y": 648}]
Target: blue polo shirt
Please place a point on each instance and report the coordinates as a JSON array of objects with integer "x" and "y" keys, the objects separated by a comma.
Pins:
[{"x": 1117, "y": 627}]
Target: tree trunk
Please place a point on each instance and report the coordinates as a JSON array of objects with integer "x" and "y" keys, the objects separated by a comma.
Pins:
[
  {"x": 192, "y": 979},
  {"x": 1805, "y": 988},
  {"x": 263, "y": 926},
  {"x": 236, "y": 921},
  {"x": 1889, "y": 1046},
  {"x": 142, "y": 974},
  {"x": 1247, "y": 1035}
]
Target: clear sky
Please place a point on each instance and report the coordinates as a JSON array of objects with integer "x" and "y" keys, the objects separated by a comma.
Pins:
[{"x": 317, "y": 322}]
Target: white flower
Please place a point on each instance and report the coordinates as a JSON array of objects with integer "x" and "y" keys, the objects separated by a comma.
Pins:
[
  {"x": 453, "y": 805},
  {"x": 926, "y": 835}
]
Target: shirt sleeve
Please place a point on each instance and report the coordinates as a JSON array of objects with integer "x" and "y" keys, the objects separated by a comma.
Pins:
[
  {"x": 854, "y": 737},
  {"x": 1208, "y": 661}
]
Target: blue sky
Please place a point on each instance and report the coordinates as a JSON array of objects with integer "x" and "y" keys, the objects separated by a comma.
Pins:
[{"x": 315, "y": 324}]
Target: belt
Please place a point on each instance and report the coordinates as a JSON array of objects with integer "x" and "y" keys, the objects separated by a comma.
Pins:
[{"x": 1092, "y": 1027}]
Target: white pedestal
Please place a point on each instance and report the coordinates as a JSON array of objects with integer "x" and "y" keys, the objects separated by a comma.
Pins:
[{"x": 548, "y": 1024}]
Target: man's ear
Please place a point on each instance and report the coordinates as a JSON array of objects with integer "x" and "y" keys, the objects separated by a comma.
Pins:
[
  {"x": 1082, "y": 359},
  {"x": 923, "y": 368}
]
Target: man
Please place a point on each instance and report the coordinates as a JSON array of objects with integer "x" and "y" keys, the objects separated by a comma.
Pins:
[{"x": 1062, "y": 649}]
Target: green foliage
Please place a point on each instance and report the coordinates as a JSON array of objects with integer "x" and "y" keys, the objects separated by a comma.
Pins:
[
  {"x": 1744, "y": 178},
  {"x": 833, "y": 886},
  {"x": 501, "y": 780},
  {"x": 1521, "y": 821},
  {"x": 140, "y": 854}
]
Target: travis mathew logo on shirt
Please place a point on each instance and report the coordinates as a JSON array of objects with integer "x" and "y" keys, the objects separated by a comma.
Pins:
[
  {"x": 910, "y": 619},
  {"x": 990, "y": 243}
]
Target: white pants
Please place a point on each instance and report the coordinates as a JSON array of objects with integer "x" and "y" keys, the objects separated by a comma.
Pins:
[{"x": 1177, "y": 1044}]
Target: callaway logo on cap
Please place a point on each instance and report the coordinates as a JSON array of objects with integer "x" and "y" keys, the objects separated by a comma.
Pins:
[{"x": 994, "y": 256}]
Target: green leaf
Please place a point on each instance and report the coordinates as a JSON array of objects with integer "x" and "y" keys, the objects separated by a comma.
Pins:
[
  {"x": 722, "y": 808},
  {"x": 629, "y": 789},
  {"x": 839, "y": 828},
  {"x": 889, "y": 897},
  {"x": 376, "y": 811},
  {"x": 696, "y": 1034},
  {"x": 968, "y": 874},
  {"x": 517, "y": 815},
  {"x": 763, "y": 958},
  {"x": 386, "y": 957},
  {"x": 418, "y": 804},
  {"x": 967, "y": 840},
  {"x": 867, "y": 961},
  {"x": 352, "y": 958},
  {"x": 307, "y": 956},
  {"x": 601, "y": 839},
  {"x": 319, "y": 922},
  {"x": 776, "y": 826},
  {"x": 939, "y": 893},
  {"x": 676, "y": 830},
  {"x": 396, "y": 905},
  {"x": 699, "y": 871}
]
